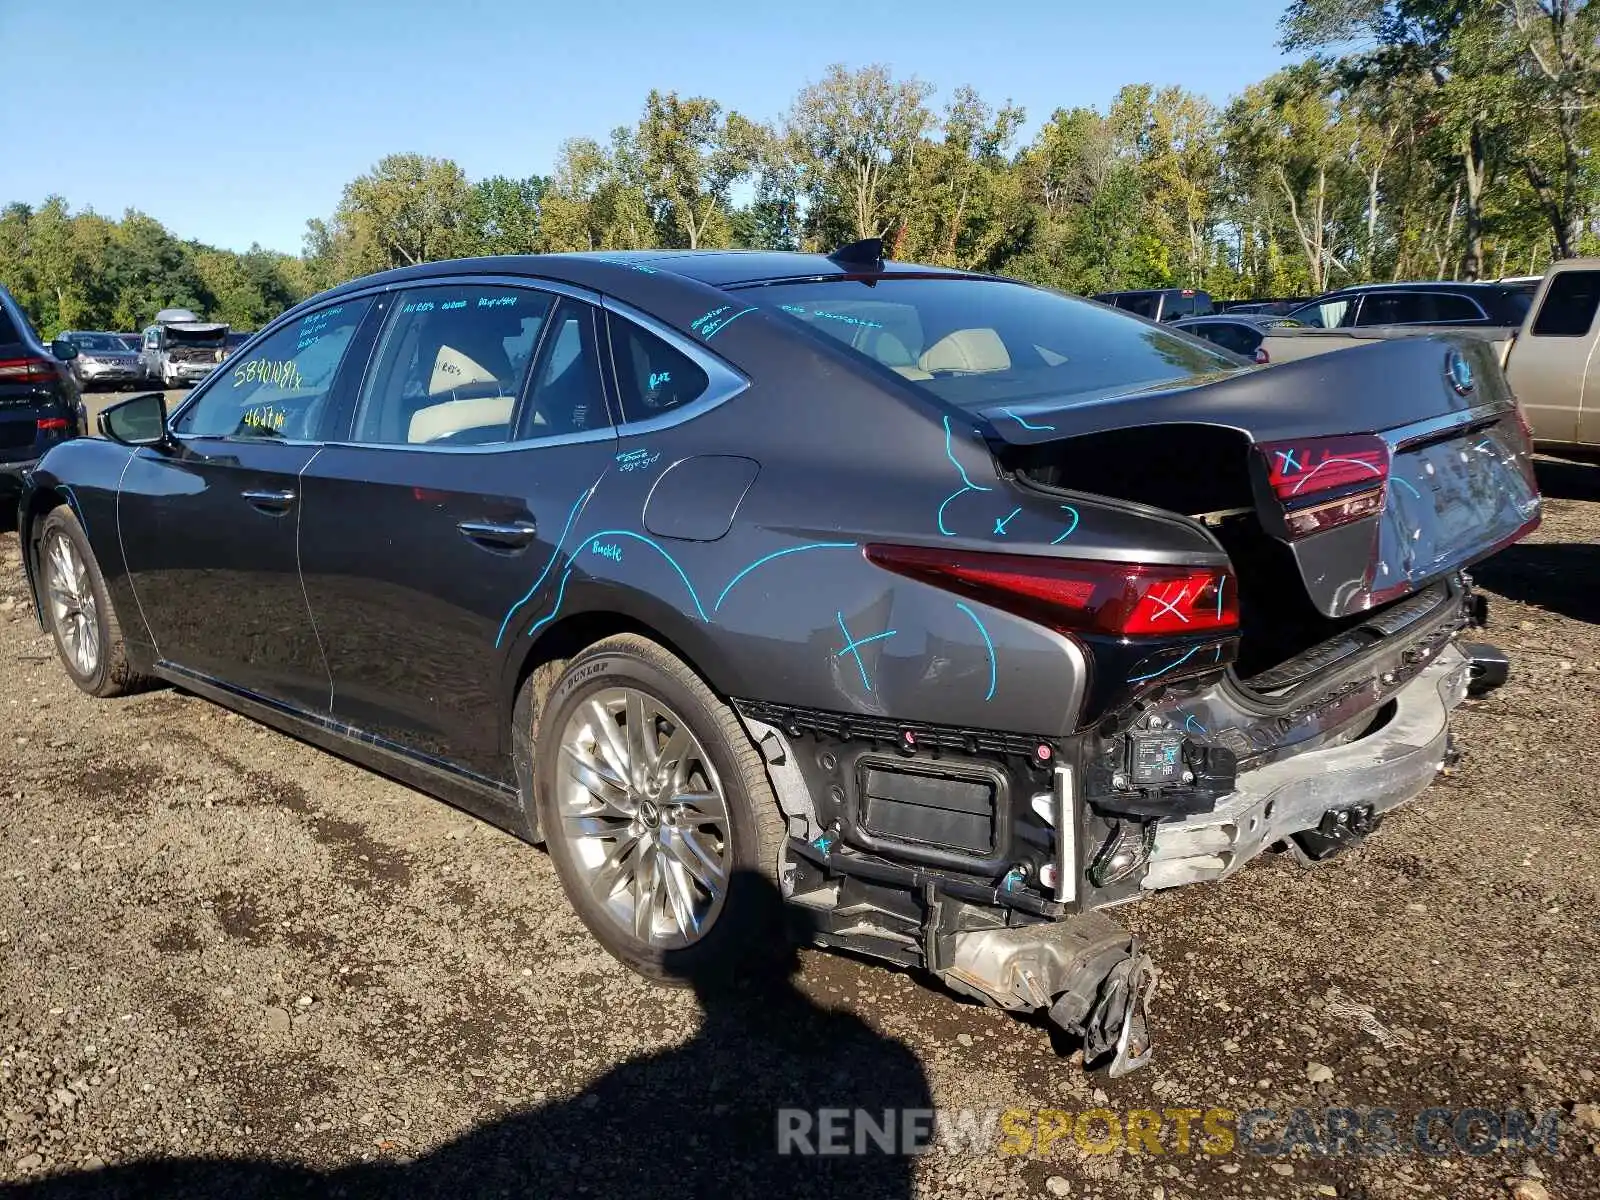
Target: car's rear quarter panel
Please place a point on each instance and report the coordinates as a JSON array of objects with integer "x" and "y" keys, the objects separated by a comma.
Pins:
[{"x": 785, "y": 607}]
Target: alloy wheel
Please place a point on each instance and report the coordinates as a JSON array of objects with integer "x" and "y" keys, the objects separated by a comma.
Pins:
[
  {"x": 644, "y": 816},
  {"x": 73, "y": 612}
]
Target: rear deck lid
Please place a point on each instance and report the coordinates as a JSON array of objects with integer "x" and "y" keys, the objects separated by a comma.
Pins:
[{"x": 1381, "y": 468}]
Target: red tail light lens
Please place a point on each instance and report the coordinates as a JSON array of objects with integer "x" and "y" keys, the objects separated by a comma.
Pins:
[
  {"x": 52, "y": 423},
  {"x": 1128, "y": 599},
  {"x": 1326, "y": 482},
  {"x": 1522, "y": 422},
  {"x": 27, "y": 370},
  {"x": 1262, "y": 357}
]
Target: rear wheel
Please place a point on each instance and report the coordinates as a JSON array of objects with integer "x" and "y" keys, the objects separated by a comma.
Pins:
[
  {"x": 78, "y": 609},
  {"x": 657, "y": 812}
]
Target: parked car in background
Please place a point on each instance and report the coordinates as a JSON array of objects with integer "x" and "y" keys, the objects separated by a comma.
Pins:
[
  {"x": 1269, "y": 307},
  {"x": 1159, "y": 304},
  {"x": 234, "y": 340},
  {"x": 40, "y": 400},
  {"x": 1549, "y": 357},
  {"x": 180, "y": 349},
  {"x": 959, "y": 609},
  {"x": 1455, "y": 304},
  {"x": 1240, "y": 332},
  {"x": 103, "y": 360}
]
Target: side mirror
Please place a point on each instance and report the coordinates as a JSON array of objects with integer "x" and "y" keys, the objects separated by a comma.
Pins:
[
  {"x": 64, "y": 350},
  {"x": 137, "y": 421}
]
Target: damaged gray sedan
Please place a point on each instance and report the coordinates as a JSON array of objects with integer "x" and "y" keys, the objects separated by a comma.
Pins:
[{"x": 958, "y": 610}]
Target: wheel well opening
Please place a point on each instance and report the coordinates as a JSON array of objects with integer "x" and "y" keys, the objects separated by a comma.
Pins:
[
  {"x": 568, "y": 636},
  {"x": 40, "y": 505}
]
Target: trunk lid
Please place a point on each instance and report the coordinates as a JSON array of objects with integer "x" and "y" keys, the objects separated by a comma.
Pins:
[{"x": 1443, "y": 478}]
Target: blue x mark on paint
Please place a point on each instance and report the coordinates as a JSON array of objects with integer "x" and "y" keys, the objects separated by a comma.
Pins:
[
  {"x": 852, "y": 647},
  {"x": 1000, "y": 525},
  {"x": 1290, "y": 463}
]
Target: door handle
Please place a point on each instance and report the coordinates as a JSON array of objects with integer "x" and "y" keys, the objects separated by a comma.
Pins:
[
  {"x": 273, "y": 503},
  {"x": 499, "y": 535}
]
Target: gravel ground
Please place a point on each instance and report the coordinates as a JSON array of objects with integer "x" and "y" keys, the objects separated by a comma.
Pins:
[{"x": 236, "y": 965}]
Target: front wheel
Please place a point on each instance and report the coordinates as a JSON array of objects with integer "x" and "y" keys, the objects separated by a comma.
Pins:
[
  {"x": 658, "y": 813},
  {"x": 78, "y": 609}
]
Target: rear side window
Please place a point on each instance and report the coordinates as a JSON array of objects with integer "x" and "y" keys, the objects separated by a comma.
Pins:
[
  {"x": 979, "y": 342},
  {"x": 8, "y": 331},
  {"x": 280, "y": 389},
  {"x": 1140, "y": 306},
  {"x": 450, "y": 366},
  {"x": 1323, "y": 314},
  {"x": 1241, "y": 339},
  {"x": 654, "y": 376},
  {"x": 1569, "y": 305}
]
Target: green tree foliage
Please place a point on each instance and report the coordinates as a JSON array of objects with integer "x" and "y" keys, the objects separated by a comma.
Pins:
[{"x": 1418, "y": 138}]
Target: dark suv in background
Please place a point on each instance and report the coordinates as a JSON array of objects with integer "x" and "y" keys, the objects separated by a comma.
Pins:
[
  {"x": 1466, "y": 304},
  {"x": 39, "y": 398},
  {"x": 1160, "y": 304}
]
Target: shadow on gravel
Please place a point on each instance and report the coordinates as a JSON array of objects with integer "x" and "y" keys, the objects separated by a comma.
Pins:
[
  {"x": 1563, "y": 577},
  {"x": 1561, "y": 479},
  {"x": 699, "y": 1120}
]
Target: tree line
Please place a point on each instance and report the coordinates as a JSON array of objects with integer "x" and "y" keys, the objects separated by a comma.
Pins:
[{"x": 1414, "y": 139}]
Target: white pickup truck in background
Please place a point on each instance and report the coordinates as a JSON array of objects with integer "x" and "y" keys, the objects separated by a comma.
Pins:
[{"x": 1550, "y": 360}]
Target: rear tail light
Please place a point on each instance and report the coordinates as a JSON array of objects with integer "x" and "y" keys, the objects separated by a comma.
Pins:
[
  {"x": 1522, "y": 422},
  {"x": 1326, "y": 482},
  {"x": 1078, "y": 595},
  {"x": 1262, "y": 357},
  {"x": 53, "y": 423},
  {"x": 27, "y": 370}
]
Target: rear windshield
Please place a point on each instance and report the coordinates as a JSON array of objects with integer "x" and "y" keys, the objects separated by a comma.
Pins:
[{"x": 978, "y": 342}]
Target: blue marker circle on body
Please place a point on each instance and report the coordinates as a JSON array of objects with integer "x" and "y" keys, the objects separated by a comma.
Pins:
[{"x": 1459, "y": 372}]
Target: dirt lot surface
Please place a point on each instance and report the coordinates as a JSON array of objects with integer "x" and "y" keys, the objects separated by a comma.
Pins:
[{"x": 234, "y": 965}]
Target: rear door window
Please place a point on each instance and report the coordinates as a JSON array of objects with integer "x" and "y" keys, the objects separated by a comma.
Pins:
[
  {"x": 1394, "y": 308},
  {"x": 1569, "y": 305},
  {"x": 280, "y": 390},
  {"x": 450, "y": 366},
  {"x": 567, "y": 396}
]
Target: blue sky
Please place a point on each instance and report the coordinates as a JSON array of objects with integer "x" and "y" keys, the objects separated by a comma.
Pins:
[{"x": 269, "y": 107}]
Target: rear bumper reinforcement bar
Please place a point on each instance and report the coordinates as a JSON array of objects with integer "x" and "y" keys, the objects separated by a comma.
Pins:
[{"x": 1383, "y": 770}]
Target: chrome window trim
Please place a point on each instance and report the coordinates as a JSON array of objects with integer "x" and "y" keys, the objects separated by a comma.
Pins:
[
  {"x": 723, "y": 381},
  {"x": 527, "y": 282}
]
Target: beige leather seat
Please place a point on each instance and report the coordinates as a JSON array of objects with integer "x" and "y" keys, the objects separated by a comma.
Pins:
[
  {"x": 967, "y": 350},
  {"x": 892, "y": 353},
  {"x": 453, "y": 369},
  {"x": 440, "y": 420}
]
